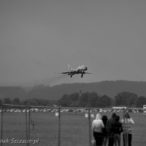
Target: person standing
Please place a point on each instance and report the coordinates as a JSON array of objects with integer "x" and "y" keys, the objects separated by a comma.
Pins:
[
  {"x": 97, "y": 126},
  {"x": 110, "y": 131},
  {"x": 128, "y": 123},
  {"x": 105, "y": 137},
  {"x": 117, "y": 129}
]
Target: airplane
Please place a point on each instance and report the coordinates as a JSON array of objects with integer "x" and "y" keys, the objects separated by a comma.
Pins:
[{"x": 79, "y": 70}]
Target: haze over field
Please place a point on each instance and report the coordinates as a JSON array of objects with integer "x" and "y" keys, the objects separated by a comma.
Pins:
[
  {"x": 109, "y": 88},
  {"x": 38, "y": 38}
]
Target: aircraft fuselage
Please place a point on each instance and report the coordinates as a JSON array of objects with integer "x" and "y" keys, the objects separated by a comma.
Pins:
[{"x": 79, "y": 70}]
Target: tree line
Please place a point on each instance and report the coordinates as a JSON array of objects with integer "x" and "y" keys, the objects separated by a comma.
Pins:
[
  {"x": 92, "y": 99},
  {"x": 86, "y": 99}
]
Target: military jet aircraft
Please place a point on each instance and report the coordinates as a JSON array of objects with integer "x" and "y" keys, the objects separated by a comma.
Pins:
[{"x": 79, "y": 70}]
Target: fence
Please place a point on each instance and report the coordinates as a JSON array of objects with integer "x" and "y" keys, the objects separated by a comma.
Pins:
[
  {"x": 52, "y": 126},
  {"x": 12, "y": 116}
]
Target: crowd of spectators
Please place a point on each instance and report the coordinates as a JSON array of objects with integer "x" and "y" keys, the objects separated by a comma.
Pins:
[{"x": 108, "y": 131}]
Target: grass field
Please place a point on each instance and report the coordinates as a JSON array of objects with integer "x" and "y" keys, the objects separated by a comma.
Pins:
[{"x": 74, "y": 129}]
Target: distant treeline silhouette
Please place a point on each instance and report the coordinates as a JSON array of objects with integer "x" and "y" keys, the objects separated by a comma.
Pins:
[
  {"x": 92, "y": 99},
  {"x": 86, "y": 99}
]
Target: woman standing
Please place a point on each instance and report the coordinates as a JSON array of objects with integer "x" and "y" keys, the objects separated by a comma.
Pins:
[
  {"x": 128, "y": 123},
  {"x": 97, "y": 126}
]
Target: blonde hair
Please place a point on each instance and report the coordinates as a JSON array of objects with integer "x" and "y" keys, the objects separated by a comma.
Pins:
[{"x": 98, "y": 116}]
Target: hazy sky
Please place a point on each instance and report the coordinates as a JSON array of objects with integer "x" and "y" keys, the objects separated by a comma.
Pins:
[{"x": 38, "y": 38}]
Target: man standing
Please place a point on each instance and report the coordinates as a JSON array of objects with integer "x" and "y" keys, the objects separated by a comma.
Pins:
[{"x": 110, "y": 131}]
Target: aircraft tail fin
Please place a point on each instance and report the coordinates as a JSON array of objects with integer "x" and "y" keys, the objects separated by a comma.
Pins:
[{"x": 69, "y": 67}]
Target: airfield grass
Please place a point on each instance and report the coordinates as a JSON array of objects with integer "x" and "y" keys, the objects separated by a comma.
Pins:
[{"x": 74, "y": 129}]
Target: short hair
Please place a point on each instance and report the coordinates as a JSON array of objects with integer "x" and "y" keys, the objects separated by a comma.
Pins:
[
  {"x": 114, "y": 115},
  {"x": 117, "y": 118},
  {"x": 126, "y": 115},
  {"x": 104, "y": 119}
]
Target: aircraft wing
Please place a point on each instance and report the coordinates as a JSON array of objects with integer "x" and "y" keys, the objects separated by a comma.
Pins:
[
  {"x": 65, "y": 72},
  {"x": 88, "y": 73}
]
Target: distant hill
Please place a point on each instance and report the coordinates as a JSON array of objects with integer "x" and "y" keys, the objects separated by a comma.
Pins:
[
  {"x": 12, "y": 92},
  {"x": 110, "y": 88}
]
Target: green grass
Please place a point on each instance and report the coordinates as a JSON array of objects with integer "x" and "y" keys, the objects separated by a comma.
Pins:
[{"x": 74, "y": 129}]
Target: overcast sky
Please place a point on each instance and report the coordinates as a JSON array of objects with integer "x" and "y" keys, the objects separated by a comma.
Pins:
[{"x": 38, "y": 38}]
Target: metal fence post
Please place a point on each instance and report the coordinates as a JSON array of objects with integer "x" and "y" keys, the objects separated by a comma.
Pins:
[
  {"x": 26, "y": 126},
  {"x": 1, "y": 124},
  {"x": 29, "y": 116},
  {"x": 89, "y": 120},
  {"x": 59, "y": 127},
  {"x": 27, "y": 120}
]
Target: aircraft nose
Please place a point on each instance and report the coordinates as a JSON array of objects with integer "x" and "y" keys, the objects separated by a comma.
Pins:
[{"x": 86, "y": 68}]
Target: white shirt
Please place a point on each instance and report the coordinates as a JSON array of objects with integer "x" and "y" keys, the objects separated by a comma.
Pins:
[{"x": 97, "y": 125}]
